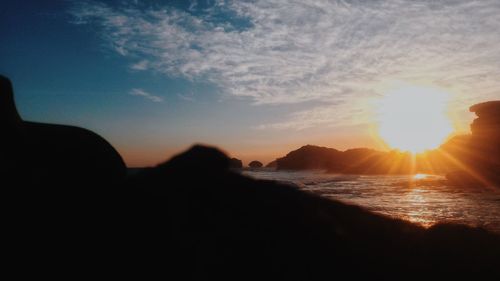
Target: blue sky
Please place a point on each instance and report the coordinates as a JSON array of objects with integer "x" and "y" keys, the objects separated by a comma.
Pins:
[{"x": 257, "y": 78}]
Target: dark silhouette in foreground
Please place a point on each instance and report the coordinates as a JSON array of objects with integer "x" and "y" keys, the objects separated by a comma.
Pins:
[
  {"x": 53, "y": 156},
  {"x": 231, "y": 225},
  {"x": 196, "y": 217}
]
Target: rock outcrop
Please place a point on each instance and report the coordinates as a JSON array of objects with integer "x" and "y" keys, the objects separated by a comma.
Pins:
[
  {"x": 486, "y": 132},
  {"x": 272, "y": 164},
  {"x": 235, "y": 163},
  {"x": 255, "y": 164},
  {"x": 481, "y": 152},
  {"x": 352, "y": 161},
  {"x": 310, "y": 157}
]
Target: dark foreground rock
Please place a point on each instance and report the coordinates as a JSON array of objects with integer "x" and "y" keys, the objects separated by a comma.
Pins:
[
  {"x": 205, "y": 224},
  {"x": 235, "y": 224},
  {"x": 49, "y": 155},
  {"x": 225, "y": 224}
]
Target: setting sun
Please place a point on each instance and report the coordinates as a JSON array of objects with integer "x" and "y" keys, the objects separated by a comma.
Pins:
[{"x": 413, "y": 118}]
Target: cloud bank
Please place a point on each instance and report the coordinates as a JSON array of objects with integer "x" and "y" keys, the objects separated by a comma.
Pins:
[{"x": 335, "y": 52}]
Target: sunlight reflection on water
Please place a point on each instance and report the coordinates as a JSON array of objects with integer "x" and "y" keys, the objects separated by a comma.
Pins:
[{"x": 424, "y": 199}]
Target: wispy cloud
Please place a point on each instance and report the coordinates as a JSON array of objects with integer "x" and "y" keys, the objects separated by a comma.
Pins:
[
  {"x": 336, "y": 52},
  {"x": 142, "y": 93},
  {"x": 140, "y": 65},
  {"x": 324, "y": 116}
]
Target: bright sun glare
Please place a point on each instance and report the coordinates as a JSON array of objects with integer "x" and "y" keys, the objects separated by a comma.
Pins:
[{"x": 413, "y": 118}]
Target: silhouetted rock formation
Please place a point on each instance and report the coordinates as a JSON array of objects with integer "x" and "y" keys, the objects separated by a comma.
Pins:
[
  {"x": 235, "y": 163},
  {"x": 352, "y": 161},
  {"x": 272, "y": 164},
  {"x": 486, "y": 132},
  {"x": 481, "y": 152},
  {"x": 309, "y": 157},
  {"x": 53, "y": 156},
  {"x": 457, "y": 145},
  {"x": 255, "y": 164},
  {"x": 488, "y": 110}
]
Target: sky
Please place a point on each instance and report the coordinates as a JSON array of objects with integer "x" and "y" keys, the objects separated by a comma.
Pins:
[{"x": 256, "y": 78}]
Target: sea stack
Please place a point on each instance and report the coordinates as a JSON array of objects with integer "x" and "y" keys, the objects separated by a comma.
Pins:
[
  {"x": 483, "y": 159},
  {"x": 255, "y": 164},
  {"x": 486, "y": 138},
  {"x": 487, "y": 125},
  {"x": 235, "y": 163}
]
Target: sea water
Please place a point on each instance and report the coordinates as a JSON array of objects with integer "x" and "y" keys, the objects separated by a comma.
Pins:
[{"x": 422, "y": 199}]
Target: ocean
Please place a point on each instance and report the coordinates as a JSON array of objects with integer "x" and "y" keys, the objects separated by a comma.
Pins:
[{"x": 422, "y": 199}]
